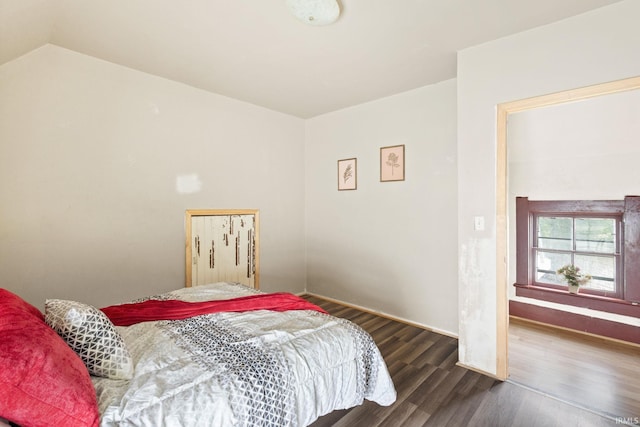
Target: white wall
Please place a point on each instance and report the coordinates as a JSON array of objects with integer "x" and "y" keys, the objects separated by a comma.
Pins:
[
  {"x": 99, "y": 162},
  {"x": 387, "y": 246},
  {"x": 579, "y": 150},
  {"x": 595, "y": 47}
]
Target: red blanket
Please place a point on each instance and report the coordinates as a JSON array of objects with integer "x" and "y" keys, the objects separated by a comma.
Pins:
[{"x": 130, "y": 314}]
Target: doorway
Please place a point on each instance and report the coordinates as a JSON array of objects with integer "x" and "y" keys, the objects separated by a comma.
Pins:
[{"x": 502, "y": 194}]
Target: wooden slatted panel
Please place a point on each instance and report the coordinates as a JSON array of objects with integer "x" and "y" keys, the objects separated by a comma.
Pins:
[{"x": 222, "y": 246}]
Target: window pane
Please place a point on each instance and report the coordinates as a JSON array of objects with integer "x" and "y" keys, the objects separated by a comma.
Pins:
[
  {"x": 547, "y": 263},
  {"x": 596, "y": 235},
  {"x": 601, "y": 269},
  {"x": 555, "y": 233}
]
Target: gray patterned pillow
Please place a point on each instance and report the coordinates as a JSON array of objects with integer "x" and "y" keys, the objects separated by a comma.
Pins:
[{"x": 90, "y": 333}]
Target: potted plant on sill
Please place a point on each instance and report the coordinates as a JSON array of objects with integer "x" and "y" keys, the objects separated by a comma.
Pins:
[{"x": 574, "y": 277}]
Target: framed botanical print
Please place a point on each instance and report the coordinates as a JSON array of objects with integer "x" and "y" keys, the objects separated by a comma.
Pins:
[
  {"x": 347, "y": 174},
  {"x": 392, "y": 163}
]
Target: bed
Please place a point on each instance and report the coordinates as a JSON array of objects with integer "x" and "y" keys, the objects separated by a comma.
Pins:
[{"x": 233, "y": 364}]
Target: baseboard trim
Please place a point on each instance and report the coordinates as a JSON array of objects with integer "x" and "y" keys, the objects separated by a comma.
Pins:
[
  {"x": 601, "y": 328},
  {"x": 382, "y": 314}
]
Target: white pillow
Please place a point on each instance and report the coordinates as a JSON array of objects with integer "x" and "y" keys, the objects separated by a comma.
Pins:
[{"x": 90, "y": 333}]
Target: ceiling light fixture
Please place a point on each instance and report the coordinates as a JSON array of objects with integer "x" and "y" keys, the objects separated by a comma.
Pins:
[{"x": 315, "y": 12}]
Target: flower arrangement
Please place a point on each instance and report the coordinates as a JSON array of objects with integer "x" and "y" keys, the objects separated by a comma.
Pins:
[{"x": 572, "y": 275}]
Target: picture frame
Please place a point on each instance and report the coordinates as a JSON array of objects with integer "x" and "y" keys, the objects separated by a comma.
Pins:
[
  {"x": 392, "y": 163},
  {"x": 347, "y": 174}
]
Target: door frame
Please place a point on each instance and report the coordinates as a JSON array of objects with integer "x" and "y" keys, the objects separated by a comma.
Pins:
[{"x": 502, "y": 255}]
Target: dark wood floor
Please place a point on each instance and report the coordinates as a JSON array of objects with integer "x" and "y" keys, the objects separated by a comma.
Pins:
[
  {"x": 434, "y": 391},
  {"x": 588, "y": 371}
]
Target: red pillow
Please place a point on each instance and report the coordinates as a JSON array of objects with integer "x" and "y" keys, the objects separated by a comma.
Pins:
[{"x": 42, "y": 381}]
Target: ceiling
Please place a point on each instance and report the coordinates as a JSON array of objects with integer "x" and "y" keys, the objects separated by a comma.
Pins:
[{"x": 256, "y": 51}]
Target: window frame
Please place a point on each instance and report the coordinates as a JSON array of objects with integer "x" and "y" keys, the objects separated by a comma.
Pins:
[
  {"x": 627, "y": 299},
  {"x": 617, "y": 255}
]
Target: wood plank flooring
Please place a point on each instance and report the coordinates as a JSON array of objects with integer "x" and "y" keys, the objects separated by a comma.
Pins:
[
  {"x": 434, "y": 391},
  {"x": 590, "y": 372}
]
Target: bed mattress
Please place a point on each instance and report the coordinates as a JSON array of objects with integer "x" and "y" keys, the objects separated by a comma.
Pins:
[{"x": 254, "y": 368}]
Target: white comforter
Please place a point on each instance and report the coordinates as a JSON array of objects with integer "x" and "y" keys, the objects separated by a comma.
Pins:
[{"x": 257, "y": 368}]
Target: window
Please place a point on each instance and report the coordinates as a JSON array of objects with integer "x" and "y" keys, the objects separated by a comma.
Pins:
[
  {"x": 590, "y": 243},
  {"x": 601, "y": 237}
]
